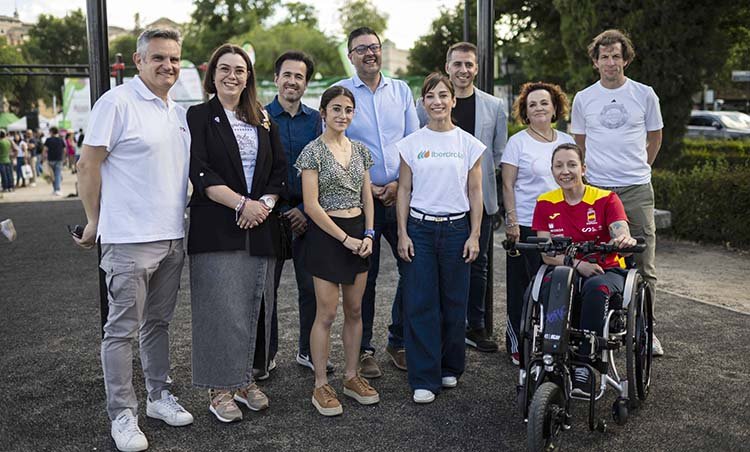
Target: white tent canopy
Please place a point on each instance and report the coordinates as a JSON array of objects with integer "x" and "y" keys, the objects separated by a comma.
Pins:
[{"x": 44, "y": 123}]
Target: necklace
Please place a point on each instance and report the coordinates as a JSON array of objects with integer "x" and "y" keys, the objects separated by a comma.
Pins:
[{"x": 548, "y": 140}]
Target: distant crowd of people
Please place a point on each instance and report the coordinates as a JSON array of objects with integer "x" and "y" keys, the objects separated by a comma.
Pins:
[
  {"x": 322, "y": 187},
  {"x": 29, "y": 156}
]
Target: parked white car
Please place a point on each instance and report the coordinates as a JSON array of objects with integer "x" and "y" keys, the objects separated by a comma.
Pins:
[{"x": 718, "y": 125}]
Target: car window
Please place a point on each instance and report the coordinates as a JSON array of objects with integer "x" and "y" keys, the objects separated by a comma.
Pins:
[
  {"x": 736, "y": 120},
  {"x": 705, "y": 121}
]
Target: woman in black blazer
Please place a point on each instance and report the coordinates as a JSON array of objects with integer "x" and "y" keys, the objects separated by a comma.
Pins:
[{"x": 238, "y": 171}]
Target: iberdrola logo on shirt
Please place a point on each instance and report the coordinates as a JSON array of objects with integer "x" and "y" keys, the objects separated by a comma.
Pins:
[{"x": 450, "y": 154}]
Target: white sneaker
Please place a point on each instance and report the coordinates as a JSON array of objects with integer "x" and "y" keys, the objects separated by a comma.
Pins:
[
  {"x": 423, "y": 396},
  {"x": 450, "y": 382},
  {"x": 128, "y": 437},
  {"x": 168, "y": 410},
  {"x": 57, "y": 193},
  {"x": 657, "y": 349}
]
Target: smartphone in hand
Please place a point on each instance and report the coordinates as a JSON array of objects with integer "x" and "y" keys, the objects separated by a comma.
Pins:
[{"x": 76, "y": 231}]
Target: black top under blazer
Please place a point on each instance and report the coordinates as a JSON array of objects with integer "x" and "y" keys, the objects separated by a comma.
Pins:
[{"x": 215, "y": 160}]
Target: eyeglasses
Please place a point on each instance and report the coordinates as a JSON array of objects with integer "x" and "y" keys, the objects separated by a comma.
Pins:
[{"x": 362, "y": 49}]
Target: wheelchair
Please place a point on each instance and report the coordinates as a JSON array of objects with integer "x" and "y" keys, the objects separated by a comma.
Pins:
[{"x": 550, "y": 347}]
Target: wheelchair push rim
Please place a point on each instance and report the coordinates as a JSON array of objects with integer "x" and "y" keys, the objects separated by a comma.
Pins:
[{"x": 639, "y": 345}]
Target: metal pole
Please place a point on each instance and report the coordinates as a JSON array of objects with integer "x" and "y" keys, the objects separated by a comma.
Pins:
[
  {"x": 485, "y": 79},
  {"x": 96, "y": 18}
]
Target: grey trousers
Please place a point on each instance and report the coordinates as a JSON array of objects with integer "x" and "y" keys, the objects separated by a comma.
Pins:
[
  {"x": 227, "y": 289},
  {"x": 142, "y": 282},
  {"x": 638, "y": 201}
]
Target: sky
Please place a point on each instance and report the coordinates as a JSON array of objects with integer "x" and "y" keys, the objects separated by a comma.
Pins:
[{"x": 408, "y": 19}]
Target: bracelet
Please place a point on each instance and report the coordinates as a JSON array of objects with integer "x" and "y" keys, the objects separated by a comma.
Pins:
[
  {"x": 367, "y": 237},
  {"x": 239, "y": 208},
  {"x": 370, "y": 233},
  {"x": 345, "y": 237},
  {"x": 511, "y": 225}
]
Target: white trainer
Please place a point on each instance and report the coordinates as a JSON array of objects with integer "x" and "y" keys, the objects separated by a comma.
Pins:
[
  {"x": 128, "y": 437},
  {"x": 168, "y": 410},
  {"x": 450, "y": 382},
  {"x": 423, "y": 396}
]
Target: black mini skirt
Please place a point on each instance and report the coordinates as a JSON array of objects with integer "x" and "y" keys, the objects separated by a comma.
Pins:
[{"x": 327, "y": 258}]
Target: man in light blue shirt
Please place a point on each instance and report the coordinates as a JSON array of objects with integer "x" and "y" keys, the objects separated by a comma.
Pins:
[{"x": 385, "y": 113}]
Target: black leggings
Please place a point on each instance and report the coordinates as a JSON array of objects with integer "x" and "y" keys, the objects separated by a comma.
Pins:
[{"x": 595, "y": 293}]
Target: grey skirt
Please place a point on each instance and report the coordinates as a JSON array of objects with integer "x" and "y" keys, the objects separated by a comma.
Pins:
[{"x": 226, "y": 292}]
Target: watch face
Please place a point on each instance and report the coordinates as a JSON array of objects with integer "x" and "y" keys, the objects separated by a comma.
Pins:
[{"x": 268, "y": 202}]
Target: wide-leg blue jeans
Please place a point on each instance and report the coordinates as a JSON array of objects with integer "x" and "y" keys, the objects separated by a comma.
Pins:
[{"x": 436, "y": 291}]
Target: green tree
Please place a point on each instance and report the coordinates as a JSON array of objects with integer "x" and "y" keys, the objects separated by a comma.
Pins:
[
  {"x": 271, "y": 42},
  {"x": 214, "y": 22},
  {"x": 57, "y": 40},
  {"x": 362, "y": 13},
  {"x": 428, "y": 53},
  {"x": 301, "y": 13}
]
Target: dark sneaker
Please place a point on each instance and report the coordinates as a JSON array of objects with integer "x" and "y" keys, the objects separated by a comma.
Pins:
[
  {"x": 478, "y": 339},
  {"x": 581, "y": 382},
  {"x": 368, "y": 367},
  {"x": 260, "y": 374},
  {"x": 304, "y": 359},
  {"x": 398, "y": 356}
]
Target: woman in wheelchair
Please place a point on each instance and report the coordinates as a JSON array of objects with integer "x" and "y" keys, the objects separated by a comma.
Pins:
[{"x": 584, "y": 213}]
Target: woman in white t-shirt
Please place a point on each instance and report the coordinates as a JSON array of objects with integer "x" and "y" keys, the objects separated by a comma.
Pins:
[
  {"x": 439, "y": 211},
  {"x": 526, "y": 175}
]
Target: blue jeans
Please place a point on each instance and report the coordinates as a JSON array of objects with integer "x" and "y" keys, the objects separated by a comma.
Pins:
[
  {"x": 436, "y": 290},
  {"x": 56, "y": 166},
  {"x": 6, "y": 173},
  {"x": 19, "y": 170},
  {"x": 385, "y": 226},
  {"x": 478, "y": 284}
]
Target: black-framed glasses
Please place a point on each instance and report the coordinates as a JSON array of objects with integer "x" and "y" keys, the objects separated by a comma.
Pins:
[{"x": 362, "y": 49}]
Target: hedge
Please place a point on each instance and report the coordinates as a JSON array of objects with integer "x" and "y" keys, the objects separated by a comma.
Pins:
[
  {"x": 700, "y": 152},
  {"x": 709, "y": 203}
]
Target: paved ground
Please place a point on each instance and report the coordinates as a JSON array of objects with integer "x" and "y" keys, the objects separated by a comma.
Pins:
[{"x": 52, "y": 395}]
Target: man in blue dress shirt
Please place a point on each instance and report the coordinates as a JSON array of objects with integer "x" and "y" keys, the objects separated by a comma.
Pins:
[
  {"x": 385, "y": 113},
  {"x": 298, "y": 125}
]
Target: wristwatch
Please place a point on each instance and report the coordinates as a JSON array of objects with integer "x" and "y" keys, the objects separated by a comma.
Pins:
[{"x": 268, "y": 201}]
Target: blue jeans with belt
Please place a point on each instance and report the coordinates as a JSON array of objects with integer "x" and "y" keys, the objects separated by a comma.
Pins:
[
  {"x": 385, "y": 226},
  {"x": 436, "y": 291}
]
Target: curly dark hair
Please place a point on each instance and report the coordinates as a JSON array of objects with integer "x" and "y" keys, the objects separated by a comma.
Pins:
[{"x": 559, "y": 100}]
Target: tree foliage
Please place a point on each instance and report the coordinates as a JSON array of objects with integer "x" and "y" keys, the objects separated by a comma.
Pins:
[
  {"x": 271, "y": 42},
  {"x": 362, "y": 13},
  {"x": 428, "y": 53},
  {"x": 214, "y": 22},
  {"x": 124, "y": 45},
  {"x": 301, "y": 13},
  {"x": 55, "y": 40}
]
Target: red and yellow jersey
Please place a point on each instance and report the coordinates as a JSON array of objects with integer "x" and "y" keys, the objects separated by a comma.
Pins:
[{"x": 588, "y": 220}]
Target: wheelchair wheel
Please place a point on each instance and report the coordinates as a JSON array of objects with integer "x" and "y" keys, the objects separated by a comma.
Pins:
[
  {"x": 546, "y": 418},
  {"x": 638, "y": 345},
  {"x": 529, "y": 318}
]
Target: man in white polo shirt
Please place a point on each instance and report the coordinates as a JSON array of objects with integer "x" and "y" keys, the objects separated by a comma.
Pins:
[
  {"x": 132, "y": 179},
  {"x": 618, "y": 123}
]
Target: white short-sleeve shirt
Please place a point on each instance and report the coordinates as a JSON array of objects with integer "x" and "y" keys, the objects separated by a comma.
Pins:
[
  {"x": 440, "y": 164},
  {"x": 145, "y": 175},
  {"x": 615, "y": 122},
  {"x": 534, "y": 162}
]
